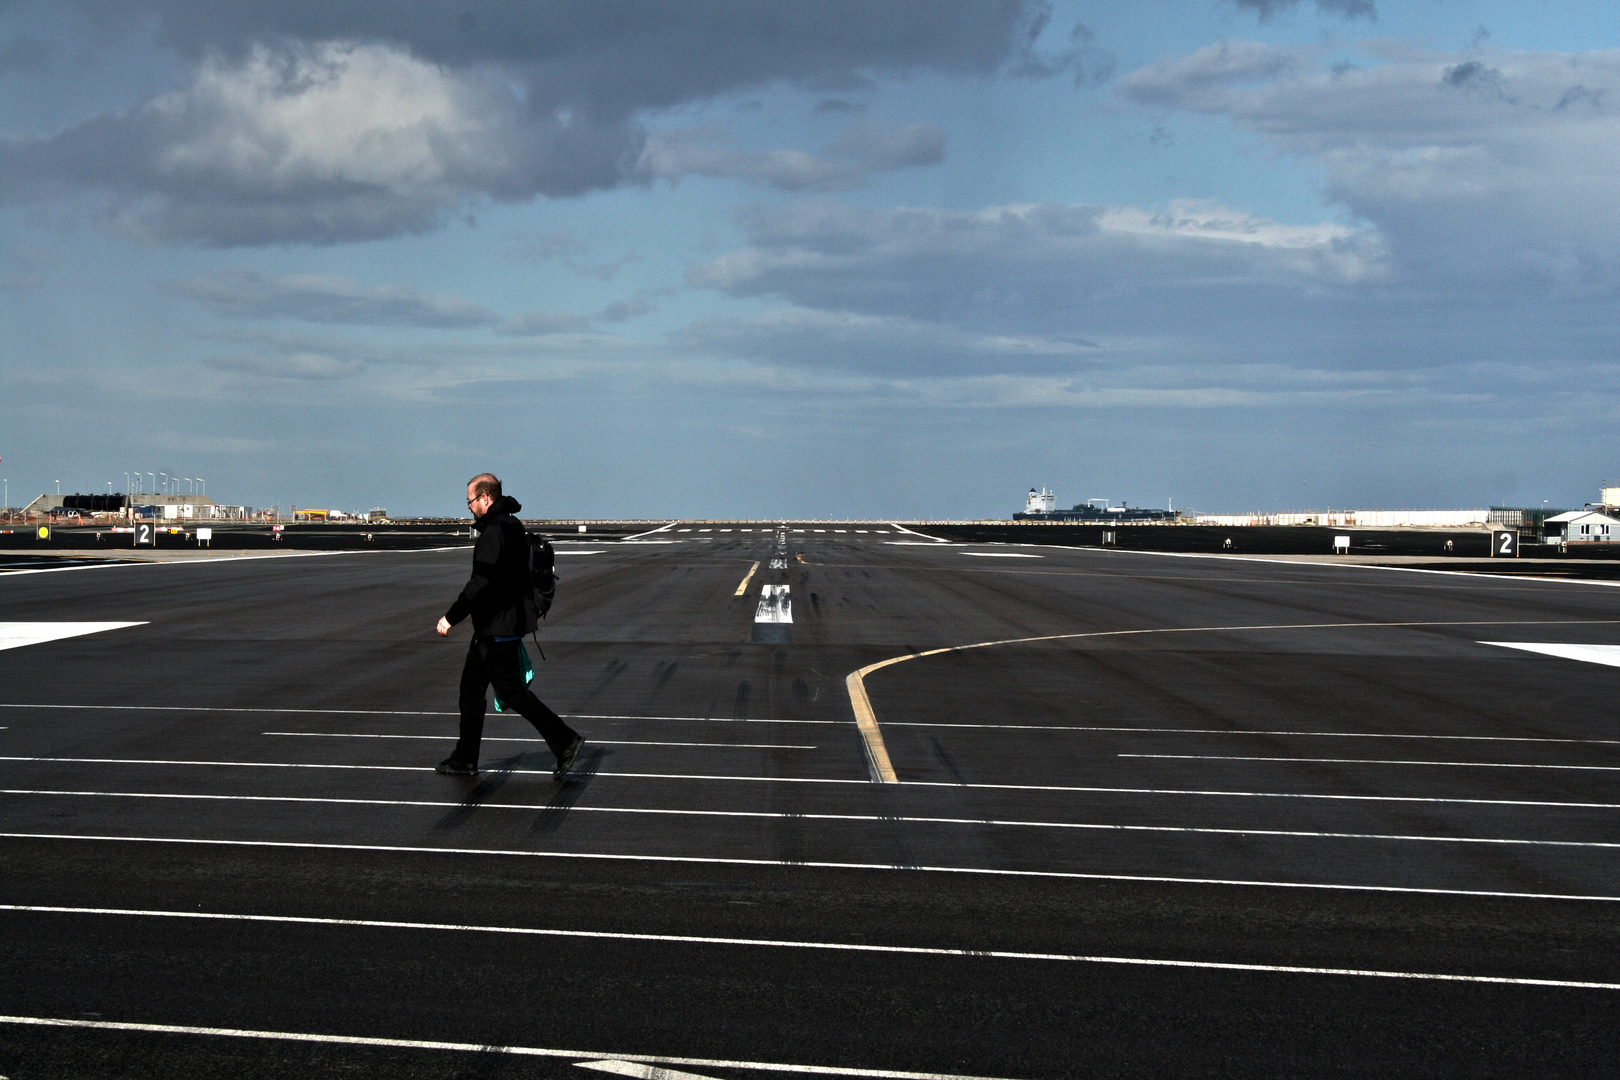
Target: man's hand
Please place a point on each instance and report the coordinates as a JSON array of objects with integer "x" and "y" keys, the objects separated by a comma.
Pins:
[{"x": 444, "y": 626}]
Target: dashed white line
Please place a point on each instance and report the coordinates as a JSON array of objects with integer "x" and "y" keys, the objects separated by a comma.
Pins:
[
  {"x": 594, "y": 741},
  {"x": 1375, "y": 761},
  {"x": 725, "y": 778},
  {"x": 1083, "y": 728},
  {"x": 816, "y": 946},
  {"x": 475, "y": 1048},
  {"x": 809, "y": 864},
  {"x": 907, "y": 819}
]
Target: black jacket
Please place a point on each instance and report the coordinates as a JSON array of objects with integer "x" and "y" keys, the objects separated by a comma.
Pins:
[{"x": 498, "y": 596}]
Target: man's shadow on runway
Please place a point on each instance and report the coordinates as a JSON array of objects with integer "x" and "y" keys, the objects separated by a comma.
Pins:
[
  {"x": 494, "y": 778},
  {"x": 568, "y": 792}
]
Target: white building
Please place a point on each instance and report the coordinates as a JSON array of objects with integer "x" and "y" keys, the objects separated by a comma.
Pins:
[{"x": 1583, "y": 527}]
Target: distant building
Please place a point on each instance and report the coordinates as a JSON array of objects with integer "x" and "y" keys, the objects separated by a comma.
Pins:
[
  {"x": 1583, "y": 527},
  {"x": 1376, "y": 519},
  {"x": 165, "y": 506}
]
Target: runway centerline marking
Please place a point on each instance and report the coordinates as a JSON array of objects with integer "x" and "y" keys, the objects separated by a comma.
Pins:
[
  {"x": 1591, "y": 654},
  {"x": 953, "y": 786},
  {"x": 1000, "y": 555},
  {"x": 1374, "y": 761},
  {"x": 17, "y": 635},
  {"x": 779, "y": 815},
  {"x": 811, "y": 864},
  {"x": 872, "y": 734},
  {"x": 594, "y": 741},
  {"x": 1083, "y": 728},
  {"x": 405, "y": 712},
  {"x": 789, "y": 943},
  {"x": 476, "y": 1048}
]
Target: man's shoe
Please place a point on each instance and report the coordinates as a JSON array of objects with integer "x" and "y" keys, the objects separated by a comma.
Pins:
[
  {"x": 451, "y": 767},
  {"x": 565, "y": 760}
]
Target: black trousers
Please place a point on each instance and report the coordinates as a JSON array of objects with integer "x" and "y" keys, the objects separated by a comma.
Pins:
[{"x": 495, "y": 663}]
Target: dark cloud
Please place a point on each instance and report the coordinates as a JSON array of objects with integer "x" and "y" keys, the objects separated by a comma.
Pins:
[
  {"x": 838, "y": 105},
  {"x": 327, "y": 123},
  {"x": 862, "y": 149},
  {"x": 549, "y": 246},
  {"x": 613, "y": 59},
  {"x": 1496, "y": 169},
  {"x": 891, "y": 148},
  {"x": 294, "y": 147},
  {"x": 294, "y": 367},
  {"x": 886, "y": 345},
  {"x": 23, "y": 54},
  {"x": 540, "y": 323},
  {"x": 1019, "y": 288},
  {"x": 1344, "y": 9},
  {"x": 249, "y": 294}
]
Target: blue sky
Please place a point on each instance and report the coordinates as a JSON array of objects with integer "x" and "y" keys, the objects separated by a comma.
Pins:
[{"x": 822, "y": 259}]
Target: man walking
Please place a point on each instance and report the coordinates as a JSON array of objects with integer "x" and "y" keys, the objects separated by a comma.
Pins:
[{"x": 500, "y": 600}]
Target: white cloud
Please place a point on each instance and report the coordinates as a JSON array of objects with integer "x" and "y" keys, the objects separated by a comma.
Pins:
[
  {"x": 327, "y": 298},
  {"x": 322, "y": 143},
  {"x": 301, "y": 367},
  {"x": 1044, "y": 268},
  {"x": 1492, "y": 165}
]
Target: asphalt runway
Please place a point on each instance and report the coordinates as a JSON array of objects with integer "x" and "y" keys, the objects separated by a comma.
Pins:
[{"x": 1078, "y": 812}]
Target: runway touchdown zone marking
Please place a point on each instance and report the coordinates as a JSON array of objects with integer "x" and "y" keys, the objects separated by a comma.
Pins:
[
  {"x": 15, "y": 635},
  {"x": 1608, "y": 655}
]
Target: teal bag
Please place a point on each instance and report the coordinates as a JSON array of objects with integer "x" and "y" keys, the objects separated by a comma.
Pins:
[{"x": 528, "y": 675}]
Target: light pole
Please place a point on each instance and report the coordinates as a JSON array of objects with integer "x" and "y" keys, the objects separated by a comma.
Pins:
[
  {"x": 59, "y": 487},
  {"x": 154, "y": 482},
  {"x": 204, "y": 484}
]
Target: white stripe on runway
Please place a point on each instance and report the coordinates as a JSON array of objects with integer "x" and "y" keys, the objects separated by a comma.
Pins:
[
  {"x": 1083, "y": 728},
  {"x": 1591, "y": 654},
  {"x": 808, "y": 864},
  {"x": 404, "y": 712},
  {"x": 859, "y": 818},
  {"x": 594, "y": 742},
  {"x": 699, "y": 777},
  {"x": 16, "y": 635},
  {"x": 475, "y": 1048},
  {"x": 820, "y": 946},
  {"x": 1372, "y": 761}
]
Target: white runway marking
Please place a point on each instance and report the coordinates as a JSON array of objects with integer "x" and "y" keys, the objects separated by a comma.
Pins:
[
  {"x": 16, "y": 635},
  {"x": 1591, "y": 654},
  {"x": 638, "y": 1069},
  {"x": 809, "y": 864},
  {"x": 775, "y": 605},
  {"x": 818, "y": 946},
  {"x": 475, "y": 1048},
  {"x": 856, "y": 818},
  {"x": 594, "y": 742},
  {"x": 598, "y": 551},
  {"x": 1083, "y": 728},
  {"x": 1373, "y": 761},
  {"x": 705, "y": 778},
  {"x": 1000, "y": 555},
  {"x": 406, "y": 712}
]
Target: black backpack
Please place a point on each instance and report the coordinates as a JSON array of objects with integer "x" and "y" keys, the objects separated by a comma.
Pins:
[{"x": 542, "y": 572}]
